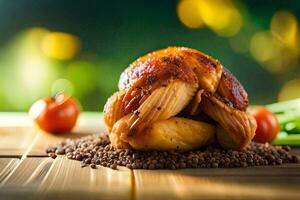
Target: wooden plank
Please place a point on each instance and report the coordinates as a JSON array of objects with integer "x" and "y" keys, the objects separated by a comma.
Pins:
[
  {"x": 295, "y": 151},
  {"x": 45, "y": 178},
  {"x": 281, "y": 170},
  {"x": 15, "y": 119},
  {"x": 88, "y": 123},
  {"x": 67, "y": 179},
  {"x": 6, "y": 166},
  {"x": 30, "y": 172},
  {"x": 17, "y": 132},
  {"x": 23, "y": 181},
  {"x": 15, "y": 140},
  {"x": 257, "y": 183},
  {"x": 44, "y": 140}
]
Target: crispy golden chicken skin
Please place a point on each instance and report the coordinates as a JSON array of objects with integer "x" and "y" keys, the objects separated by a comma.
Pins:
[
  {"x": 158, "y": 68},
  {"x": 158, "y": 86}
]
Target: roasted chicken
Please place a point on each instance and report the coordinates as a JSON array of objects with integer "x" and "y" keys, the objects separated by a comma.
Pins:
[{"x": 157, "y": 88}]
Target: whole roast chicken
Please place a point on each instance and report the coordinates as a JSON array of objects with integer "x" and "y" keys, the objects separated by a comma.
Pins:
[{"x": 178, "y": 99}]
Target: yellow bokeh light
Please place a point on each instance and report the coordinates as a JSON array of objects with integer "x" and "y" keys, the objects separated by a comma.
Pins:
[
  {"x": 232, "y": 25},
  {"x": 62, "y": 46},
  {"x": 188, "y": 13},
  {"x": 271, "y": 53},
  {"x": 284, "y": 24},
  {"x": 262, "y": 46},
  {"x": 290, "y": 90},
  {"x": 221, "y": 16},
  {"x": 277, "y": 49}
]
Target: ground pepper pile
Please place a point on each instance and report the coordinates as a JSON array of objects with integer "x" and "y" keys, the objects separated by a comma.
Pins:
[{"x": 96, "y": 150}]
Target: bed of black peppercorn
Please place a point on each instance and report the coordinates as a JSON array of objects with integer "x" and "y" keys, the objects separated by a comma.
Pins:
[{"x": 97, "y": 150}]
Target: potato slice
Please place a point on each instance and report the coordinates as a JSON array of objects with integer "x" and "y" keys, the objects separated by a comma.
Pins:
[
  {"x": 170, "y": 134},
  {"x": 174, "y": 134}
]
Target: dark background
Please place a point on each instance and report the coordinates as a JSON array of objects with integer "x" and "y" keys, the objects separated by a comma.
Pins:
[{"x": 114, "y": 33}]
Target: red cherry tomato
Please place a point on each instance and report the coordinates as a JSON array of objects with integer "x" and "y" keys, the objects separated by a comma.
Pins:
[
  {"x": 267, "y": 125},
  {"x": 55, "y": 114}
]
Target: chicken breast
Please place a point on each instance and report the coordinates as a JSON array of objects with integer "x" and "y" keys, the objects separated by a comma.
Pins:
[{"x": 237, "y": 128}]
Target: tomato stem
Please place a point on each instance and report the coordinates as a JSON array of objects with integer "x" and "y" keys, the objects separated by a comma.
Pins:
[{"x": 56, "y": 95}]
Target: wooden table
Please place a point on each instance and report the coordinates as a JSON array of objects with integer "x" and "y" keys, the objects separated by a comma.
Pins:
[{"x": 27, "y": 173}]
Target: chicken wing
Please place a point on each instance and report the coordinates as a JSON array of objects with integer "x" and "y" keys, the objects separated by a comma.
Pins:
[
  {"x": 237, "y": 128},
  {"x": 163, "y": 103}
]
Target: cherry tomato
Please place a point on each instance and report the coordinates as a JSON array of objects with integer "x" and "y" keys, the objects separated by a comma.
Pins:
[
  {"x": 267, "y": 125},
  {"x": 55, "y": 114}
]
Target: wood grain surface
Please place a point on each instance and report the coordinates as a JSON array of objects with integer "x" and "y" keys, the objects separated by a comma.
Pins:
[
  {"x": 249, "y": 183},
  {"x": 44, "y": 140},
  {"x": 14, "y": 141},
  {"x": 27, "y": 173},
  {"x": 6, "y": 166},
  {"x": 67, "y": 177}
]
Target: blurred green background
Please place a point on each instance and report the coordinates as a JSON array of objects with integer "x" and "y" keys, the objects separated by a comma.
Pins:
[{"x": 83, "y": 46}]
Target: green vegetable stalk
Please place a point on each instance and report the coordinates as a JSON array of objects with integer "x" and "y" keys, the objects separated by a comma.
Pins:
[{"x": 288, "y": 114}]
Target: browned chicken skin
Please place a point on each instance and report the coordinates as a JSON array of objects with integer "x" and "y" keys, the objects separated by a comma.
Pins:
[
  {"x": 157, "y": 69},
  {"x": 231, "y": 89},
  {"x": 161, "y": 84}
]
